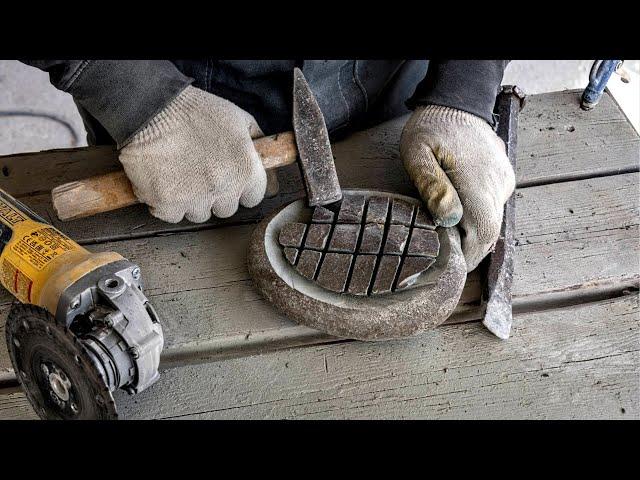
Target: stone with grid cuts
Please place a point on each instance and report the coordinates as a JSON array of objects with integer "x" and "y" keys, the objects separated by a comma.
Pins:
[{"x": 363, "y": 246}]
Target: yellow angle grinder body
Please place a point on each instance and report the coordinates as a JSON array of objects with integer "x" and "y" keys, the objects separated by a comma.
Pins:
[{"x": 82, "y": 327}]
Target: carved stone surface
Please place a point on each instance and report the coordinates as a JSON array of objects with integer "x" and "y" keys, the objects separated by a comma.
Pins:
[
  {"x": 386, "y": 274},
  {"x": 344, "y": 238},
  {"x": 424, "y": 243},
  {"x": 308, "y": 263},
  {"x": 334, "y": 271},
  {"x": 352, "y": 252},
  {"x": 424, "y": 219},
  {"x": 317, "y": 234},
  {"x": 322, "y": 215},
  {"x": 416, "y": 302},
  {"x": 396, "y": 239},
  {"x": 372, "y": 238},
  {"x": 291, "y": 234},
  {"x": 377, "y": 210},
  {"x": 362, "y": 274},
  {"x": 291, "y": 254},
  {"x": 351, "y": 209},
  {"x": 411, "y": 267},
  {"x": 401, "y": 212}
]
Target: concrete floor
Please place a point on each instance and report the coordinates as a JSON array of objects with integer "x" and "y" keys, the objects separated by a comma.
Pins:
[{"x": 27, "y": 89}]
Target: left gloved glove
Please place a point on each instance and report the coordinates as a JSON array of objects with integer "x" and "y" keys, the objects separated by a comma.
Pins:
[{"x": 462, "y": 172}]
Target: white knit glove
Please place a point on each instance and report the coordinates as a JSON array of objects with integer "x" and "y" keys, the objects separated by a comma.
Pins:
[
  {"x": 462, "y": 172},
  {"x": 195, "y": 158}
]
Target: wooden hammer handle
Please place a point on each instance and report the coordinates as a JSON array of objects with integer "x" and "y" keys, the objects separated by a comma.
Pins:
[{"x": 112, "y": 191}]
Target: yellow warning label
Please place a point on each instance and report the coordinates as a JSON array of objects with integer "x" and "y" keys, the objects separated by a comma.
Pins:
[
  {"x": 40, "y": 246},
  {"x": 16, "y": 281},
  {"x": 9, "y": 215}
]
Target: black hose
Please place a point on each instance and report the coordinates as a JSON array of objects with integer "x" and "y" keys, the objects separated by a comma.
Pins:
[{"x": 48, "y": 116}]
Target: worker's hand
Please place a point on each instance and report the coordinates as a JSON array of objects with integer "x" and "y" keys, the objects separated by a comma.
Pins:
[
  {"x": 462, "y": 172},
  {"x": 196, "y": 158}
]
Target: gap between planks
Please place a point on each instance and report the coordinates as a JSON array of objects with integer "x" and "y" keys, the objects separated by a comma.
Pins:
[{"x": 570, "y": 363}]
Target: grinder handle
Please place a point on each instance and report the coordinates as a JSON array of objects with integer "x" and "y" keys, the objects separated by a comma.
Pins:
[{"x": 112, "y": 191}]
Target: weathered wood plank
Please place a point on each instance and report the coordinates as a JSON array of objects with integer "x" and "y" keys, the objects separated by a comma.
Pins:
[
  {"x": 15, "y": 406},
  {"x": 557, "y": 141},
  {"x": 199, "y": 283},
  {"x": 572, "y": 363}
]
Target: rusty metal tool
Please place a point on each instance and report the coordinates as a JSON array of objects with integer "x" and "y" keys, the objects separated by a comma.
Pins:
[
  {"x": 310, "y": 142},
  {"x": 499, "y": 265}
]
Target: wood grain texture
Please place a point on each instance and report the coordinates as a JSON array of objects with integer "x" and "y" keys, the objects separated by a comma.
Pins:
[
  {"x": 573, "y": 363},
  {"x": 199, "y": 283},
  {"x": 93, "y": 195}
]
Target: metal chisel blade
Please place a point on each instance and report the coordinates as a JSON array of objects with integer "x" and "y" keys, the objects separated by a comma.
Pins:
[
  {"x": 498, "y": 315},
  {"x": 314, "y": 148}
]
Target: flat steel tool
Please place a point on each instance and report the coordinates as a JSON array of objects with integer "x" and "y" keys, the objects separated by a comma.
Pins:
[{"x": 499, "y": 265}]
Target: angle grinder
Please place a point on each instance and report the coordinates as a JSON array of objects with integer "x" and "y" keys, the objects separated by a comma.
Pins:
[{"x": 81, "y": 327}]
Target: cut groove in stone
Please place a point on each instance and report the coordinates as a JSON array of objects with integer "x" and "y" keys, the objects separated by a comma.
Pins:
[{"x": 352, "y": 253}]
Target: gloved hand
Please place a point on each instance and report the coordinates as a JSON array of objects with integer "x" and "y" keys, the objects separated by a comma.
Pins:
[
  {"x": 462, "y": 172},
  {"x": 195, "y": 158}
]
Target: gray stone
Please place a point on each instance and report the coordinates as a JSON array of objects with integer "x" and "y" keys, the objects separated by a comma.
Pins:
[
  {"x": 371, "y": 238},
  {"x": 308, "y": 263},
  {"x": 424, "y": 219},
  {"x": 317, "y": 235},
  {"x": 377, "y": 210},
  {"x": 322, "y": 215},
  {"x": 291, "y": 254},
  {"x": 411, "y": 268},
  {"x": 334, "y": 271},
  {"x": 344, "y": 238},
  {"x": 351, "y": 209},
  {"x": 386, "y": 274},
  {"x": 362, "y": 274},
  {"x": 291, "y": 234},
  {"x": 401, "y": 314},
  {"x": 396, "y": 240},
  {"x": 401, "y": 212},
  {"x": 424, "y": 243}
]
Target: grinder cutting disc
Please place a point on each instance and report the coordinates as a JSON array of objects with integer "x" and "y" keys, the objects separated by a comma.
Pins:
[
  {"x": 371, "y": 267},
  {"x": 55, "y": 369}
]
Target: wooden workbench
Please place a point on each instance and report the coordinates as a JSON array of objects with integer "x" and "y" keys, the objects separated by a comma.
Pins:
[{"x": 575, "y": 346}]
